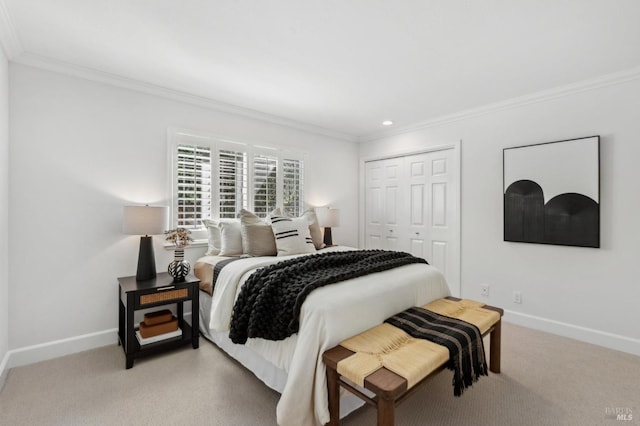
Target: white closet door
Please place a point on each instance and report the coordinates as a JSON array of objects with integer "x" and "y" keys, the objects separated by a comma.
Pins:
[
  {"x": 418, "y": 208},
  {"x": 410, "y": 205},
  {"x": 374, "y": 205},
  {"x": 385, "y": 195},
  {"x": 440, "y": 205}
]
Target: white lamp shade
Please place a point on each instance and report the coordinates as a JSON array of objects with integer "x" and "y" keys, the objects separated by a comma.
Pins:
[
  {"x": 145, "y": 220},
  {"x": 328, "y": 218}
]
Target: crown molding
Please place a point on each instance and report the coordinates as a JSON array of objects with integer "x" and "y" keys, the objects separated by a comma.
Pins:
[
  {"x": 542, "y": 96},
  {"x": 66, "y": 68},
  {"x": 15, "y": 52},
  {"x": 9, "y": 39}
]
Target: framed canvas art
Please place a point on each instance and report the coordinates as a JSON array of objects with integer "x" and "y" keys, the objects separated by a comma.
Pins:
[{"x": 552, "y": 193}]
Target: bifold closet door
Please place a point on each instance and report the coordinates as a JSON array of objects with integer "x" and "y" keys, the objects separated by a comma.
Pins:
[
  {"x": 431, "y": 209},
  {"x": 384, "y": 197},
  {"x": 410, "y": 206}
]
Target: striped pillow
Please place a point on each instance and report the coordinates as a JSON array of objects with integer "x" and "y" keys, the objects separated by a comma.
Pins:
[{"x": 292, "y": 235}]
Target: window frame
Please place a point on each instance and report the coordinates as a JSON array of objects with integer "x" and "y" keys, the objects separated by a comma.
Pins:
[{"x": 178, "y": 136}]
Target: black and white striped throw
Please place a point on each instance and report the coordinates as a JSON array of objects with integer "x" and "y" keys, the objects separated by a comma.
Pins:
[
  {"x": 269, "y": 302},
  {"x": 464, "y": 341}
]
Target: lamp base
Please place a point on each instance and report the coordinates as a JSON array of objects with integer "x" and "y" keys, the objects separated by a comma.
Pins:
[
  {"x": 328, "y": 241},
  {"x": 146, "y": 260}
]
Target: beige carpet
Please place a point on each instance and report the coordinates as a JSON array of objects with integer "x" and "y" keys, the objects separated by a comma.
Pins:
[{"x": 545, "y": 380}]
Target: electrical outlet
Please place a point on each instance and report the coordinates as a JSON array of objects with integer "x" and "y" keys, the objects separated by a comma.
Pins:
[
  {"x": 517, "y": 297},
  {"x": 484, "y": 290}
]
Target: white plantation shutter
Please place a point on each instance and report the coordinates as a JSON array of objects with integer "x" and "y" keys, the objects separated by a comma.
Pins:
[
  {"x": 212, "y": 177},
  {"x": 193, "y": 179},
  {"x": 292, "y": 186},
  {"x": 264, "y": 184},
  {"x": 232, "y": 182}
]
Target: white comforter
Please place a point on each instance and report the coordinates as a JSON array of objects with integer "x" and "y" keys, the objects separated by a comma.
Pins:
[{"x": 329, "y": 315}]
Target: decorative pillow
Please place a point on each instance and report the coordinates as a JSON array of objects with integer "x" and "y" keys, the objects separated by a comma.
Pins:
[
  {"x": 230, "y": 239},
  {"x": 314, "y": 228},
  {"x": 213, "y": 230},
  {"x": 292, "y": 235},
  {"x": 275, "y": 212},
  {"x": 257, "y": 236}
]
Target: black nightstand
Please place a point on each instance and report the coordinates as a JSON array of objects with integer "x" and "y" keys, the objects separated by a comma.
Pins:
[{"x": 135, "y": 295}]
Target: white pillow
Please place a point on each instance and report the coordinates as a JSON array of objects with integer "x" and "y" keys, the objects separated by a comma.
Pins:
[
  {"x": 312, "y": 220},
  {"x": 292, "y": 235},
  {"x": 214, "y": 236},
  {"x": 274, "y": 213},
  {"x": 230, "y": 238},
  {"x": 213, "y": 231}
]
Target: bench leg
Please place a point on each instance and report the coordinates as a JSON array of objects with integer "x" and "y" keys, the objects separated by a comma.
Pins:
[
  {"x": 386, "y": 412},
  {"x": 334, "y": 397},
  {"x": 494, "y": 350}
]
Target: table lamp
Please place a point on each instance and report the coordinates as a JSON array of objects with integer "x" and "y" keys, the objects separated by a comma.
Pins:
[
  {"x": 145, "y": 221},
  {"x": 328, "y": 218}
]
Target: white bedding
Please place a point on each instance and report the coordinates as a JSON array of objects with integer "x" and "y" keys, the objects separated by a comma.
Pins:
[{"x": 329, "y": 315}]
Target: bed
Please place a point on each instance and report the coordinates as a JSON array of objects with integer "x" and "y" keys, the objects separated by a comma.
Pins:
[{"x": 330, "y": 314}]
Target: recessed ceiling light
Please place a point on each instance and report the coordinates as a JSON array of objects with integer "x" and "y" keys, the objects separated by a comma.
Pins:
[{"x": 387, "y": 123}]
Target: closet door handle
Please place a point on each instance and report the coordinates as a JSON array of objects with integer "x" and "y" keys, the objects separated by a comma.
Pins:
[{"x": 417, "y": 233}]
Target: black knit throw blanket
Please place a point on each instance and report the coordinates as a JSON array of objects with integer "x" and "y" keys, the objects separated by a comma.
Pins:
[
  {"x": 464, "y": 341},
  {"x": 269, "y": 302}
]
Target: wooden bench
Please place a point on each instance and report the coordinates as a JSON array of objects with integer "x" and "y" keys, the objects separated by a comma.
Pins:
[{"x": 388, "y": 387}]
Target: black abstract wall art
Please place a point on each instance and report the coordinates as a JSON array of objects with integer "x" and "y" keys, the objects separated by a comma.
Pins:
[{"x": 552, "y": 193}]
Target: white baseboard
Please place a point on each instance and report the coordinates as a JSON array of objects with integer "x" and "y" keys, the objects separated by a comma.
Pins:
[
  {"x": 4, "y": 370},
  {"x": 54, "y": 349},
  {"x": 596, "y": 337},
  {"x": 58, "y": 348}
]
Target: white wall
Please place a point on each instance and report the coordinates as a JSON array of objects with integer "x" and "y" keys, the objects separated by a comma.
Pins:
[
  {"x": 81, "y": 150},
  {"x": 590, "y": 294},
  {"x": 4, "y": 212}
]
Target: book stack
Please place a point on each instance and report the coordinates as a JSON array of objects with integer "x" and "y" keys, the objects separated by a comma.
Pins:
[{"x": 158, "y": 326}]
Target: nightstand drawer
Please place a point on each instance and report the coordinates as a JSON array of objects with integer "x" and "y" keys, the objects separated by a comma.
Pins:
[{"x": 164, "y": 296}]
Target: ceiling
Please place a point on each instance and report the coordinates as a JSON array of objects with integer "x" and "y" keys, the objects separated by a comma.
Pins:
[{"x": 343, "y": 66}]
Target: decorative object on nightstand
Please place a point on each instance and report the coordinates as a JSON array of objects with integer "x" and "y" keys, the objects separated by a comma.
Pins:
[
  {"x": 145, "y": 221},
  {"x": 328, "y": 218},
  {"x": 158, "y": 326},
  {"x": 179, "y": 268}
]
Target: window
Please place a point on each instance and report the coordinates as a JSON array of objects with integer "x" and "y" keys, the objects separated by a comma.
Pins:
[
  {"x": 292, "y": 186},
  {"x": 264, "y": 184},
  {"x": 216, "y": 178},
  {"x": 193, "y": 187},
  {"x": 232, "y": 183}
]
